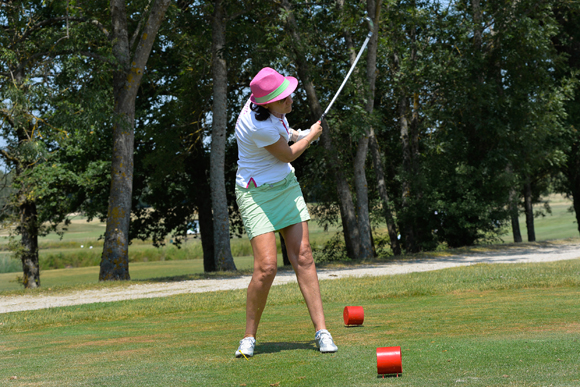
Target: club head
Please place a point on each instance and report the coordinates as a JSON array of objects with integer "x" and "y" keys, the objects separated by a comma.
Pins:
[{"x": 371, "y": 26}]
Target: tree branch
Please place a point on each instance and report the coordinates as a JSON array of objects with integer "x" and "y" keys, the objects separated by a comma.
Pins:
[
  {"x": 102, "y": 28},
  {"x": 56, "y": 20},
  {"x": 145, "y": 44},
  {"x": 7, "y": 117},
  {"x": 65, "y": 52},
  {"x": 7, "y": 156},
  {"x": 136, "y": 33},
  {"x": 97, "y": 56}
]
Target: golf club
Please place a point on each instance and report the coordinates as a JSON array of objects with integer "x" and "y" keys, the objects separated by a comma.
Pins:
[{"x": 371, "y": 28}]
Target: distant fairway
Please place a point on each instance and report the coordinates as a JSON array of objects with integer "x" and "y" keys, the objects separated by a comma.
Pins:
[
  {"x": 560, "y": 224},
  {"x": 150, "y": 262}
]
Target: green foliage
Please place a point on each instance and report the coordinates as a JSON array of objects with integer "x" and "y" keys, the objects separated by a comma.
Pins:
[{"x": 332, "y": 251}]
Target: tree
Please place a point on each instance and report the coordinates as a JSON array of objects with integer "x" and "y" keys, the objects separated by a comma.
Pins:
[
  {"x": 348, "y": 214},
  {"x": 33, "y": 38},
  {"x": 126, "y": 80},
  {"x": 221, "y": 219},
  {"x": 566, "y": 43},
  {"x": 359, "y": 162}
]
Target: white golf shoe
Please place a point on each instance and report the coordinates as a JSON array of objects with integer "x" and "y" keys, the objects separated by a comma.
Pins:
[
  {"x": 246, "y": 347},
  {"x": 324, "y": 342}
]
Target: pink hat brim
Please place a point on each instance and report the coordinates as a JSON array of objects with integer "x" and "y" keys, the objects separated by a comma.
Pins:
[{"x": 289, "y": 90}]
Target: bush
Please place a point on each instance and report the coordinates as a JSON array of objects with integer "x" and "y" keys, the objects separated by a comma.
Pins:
[{"x": 334, "y": 250}]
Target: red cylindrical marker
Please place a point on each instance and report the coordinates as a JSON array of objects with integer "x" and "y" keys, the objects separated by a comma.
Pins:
[
  {"x": 353, "y": 315},
  {"x": 389, "y": 360}
]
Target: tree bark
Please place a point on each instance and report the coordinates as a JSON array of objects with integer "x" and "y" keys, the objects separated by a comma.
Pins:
[
  {"x": 126, "y": 82},
  {"x": 407, "y": 220},
  {"x": 28, "y": 222},
  {"x": 347, "y": 211},
  {"x": 478, "y": 29},
  {"x": 381, "y": 183},
  {"x": 205, "y": 218},
  {"x": 359, "y": 162},
  {"x": 221, "y": 219},
  {"x": 529, "y": 210},
  {"x": 29, "y": 242},
  {"x": 409, "y": 231},
  {"x": 573, "y": 174},
  {"x": 360, "y": 180},
  {"x": 513, "y": 208},
  {"x": 362, "y": 198}
]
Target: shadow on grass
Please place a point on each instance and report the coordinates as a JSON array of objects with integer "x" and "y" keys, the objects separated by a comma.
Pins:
[
  {"x": 273, "y": 347},
  {"x": 388, "y": 376}
]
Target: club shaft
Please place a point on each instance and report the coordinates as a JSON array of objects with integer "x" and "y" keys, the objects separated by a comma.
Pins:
[{"x": 347, "y": 75}]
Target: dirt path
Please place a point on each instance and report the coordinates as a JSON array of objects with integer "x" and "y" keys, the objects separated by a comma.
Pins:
[{"x": 548, "y": 253}]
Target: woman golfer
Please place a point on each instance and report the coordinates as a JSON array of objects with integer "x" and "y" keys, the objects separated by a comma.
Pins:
[{"x": 270, "y": 199}]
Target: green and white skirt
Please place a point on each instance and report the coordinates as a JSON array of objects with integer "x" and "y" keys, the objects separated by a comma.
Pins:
[{"x": 271, "y": 207}]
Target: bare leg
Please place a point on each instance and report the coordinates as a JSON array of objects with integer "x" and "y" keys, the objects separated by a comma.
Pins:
[
  {"x": 265, "y": 268},
  {"x": 300, "y": 256}
]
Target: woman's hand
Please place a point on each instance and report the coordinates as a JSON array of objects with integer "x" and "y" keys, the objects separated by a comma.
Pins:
[{"x": 315, "y": 131}]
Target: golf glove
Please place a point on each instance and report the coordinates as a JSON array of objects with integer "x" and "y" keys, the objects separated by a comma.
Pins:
[{"x": 298, "y": 134}]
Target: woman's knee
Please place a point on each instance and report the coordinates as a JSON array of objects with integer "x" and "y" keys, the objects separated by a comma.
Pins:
[
  {"x": 267, "y": 270},
  {"x": 305, "y": 259}
]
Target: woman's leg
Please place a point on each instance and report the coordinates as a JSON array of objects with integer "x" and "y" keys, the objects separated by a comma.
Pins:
[
  {"x": 300, "y": 256},
  {"x": 265, "y": 267}
]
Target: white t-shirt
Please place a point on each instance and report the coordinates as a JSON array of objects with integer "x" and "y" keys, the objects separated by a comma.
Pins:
[{"x": 254, "y": 162}]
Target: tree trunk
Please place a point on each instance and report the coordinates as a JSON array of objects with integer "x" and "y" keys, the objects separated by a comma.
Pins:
[
  {"x": 360, "y": 180},
  {"x": 381, "y": 183},
  {"x": 572, "y": 172},
  {"x": 375, "y": 9},
  {"x": 29, "y": 242},
  {"x": 359, "y": 162},
  {"x": 347, "y": 211},
  {"x": 477, "y": 30},
  {"x": 529, "y": 211},
  {"x": 221, "y": 219},
  {"x": 362, "y": 198},
  {"x": 409, "y": 231},
  {"x": 28, "y": 222},
  {"x": 205, "y": 218},
  {"x": 126, "y": 81},
  {"x": 574, "y": 179},
  {"x": 576, "y": 200},
  {"x": 513, "y": 208}
]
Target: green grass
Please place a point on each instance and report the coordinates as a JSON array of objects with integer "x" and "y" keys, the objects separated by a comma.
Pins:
[
  {"x": 139, "y": 271},
  {"x": 483, "y": 325},
  {"x": 560, "y": 224}
]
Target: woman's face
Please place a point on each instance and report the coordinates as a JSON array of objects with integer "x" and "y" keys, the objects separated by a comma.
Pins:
[{"x": 284, "y": 106}]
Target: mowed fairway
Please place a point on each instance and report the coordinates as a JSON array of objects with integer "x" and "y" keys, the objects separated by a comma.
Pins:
[{"x": 483, "y": 325}]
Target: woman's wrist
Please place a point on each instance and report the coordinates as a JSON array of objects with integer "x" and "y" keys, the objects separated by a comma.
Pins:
[{"x": 310, "y": 138}]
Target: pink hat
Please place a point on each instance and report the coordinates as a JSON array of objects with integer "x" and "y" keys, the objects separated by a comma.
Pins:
[{"x": 270, "y": 86}]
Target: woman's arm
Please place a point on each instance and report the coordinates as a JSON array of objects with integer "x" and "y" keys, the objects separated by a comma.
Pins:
[{"x": 285, "y": 153}]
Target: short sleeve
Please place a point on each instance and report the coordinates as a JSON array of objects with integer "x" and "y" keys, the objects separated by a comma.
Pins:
[{"x": 266, "y": 135}]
